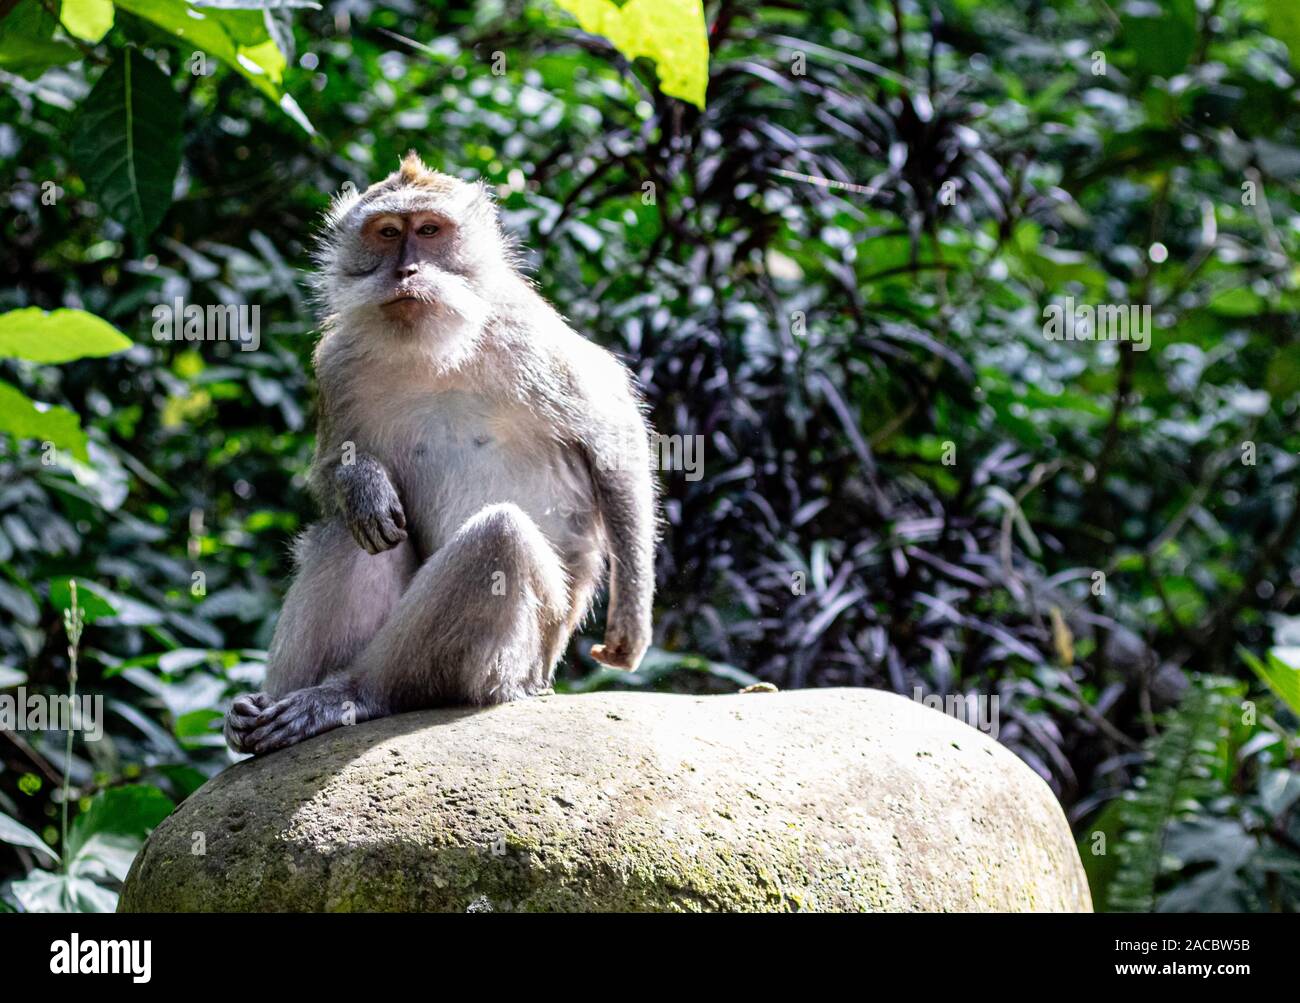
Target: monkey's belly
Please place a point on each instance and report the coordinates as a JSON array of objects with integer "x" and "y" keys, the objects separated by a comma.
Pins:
[{"x": 464, "y": 458}]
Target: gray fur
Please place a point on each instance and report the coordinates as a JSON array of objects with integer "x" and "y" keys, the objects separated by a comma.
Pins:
[{"x": 478, "y": 465}]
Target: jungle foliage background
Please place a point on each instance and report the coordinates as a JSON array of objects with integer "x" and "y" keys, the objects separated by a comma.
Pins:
[{"x": 906, "y": 484}]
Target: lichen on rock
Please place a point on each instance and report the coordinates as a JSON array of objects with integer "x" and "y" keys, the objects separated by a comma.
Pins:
[{"x": 810, "y": 800}]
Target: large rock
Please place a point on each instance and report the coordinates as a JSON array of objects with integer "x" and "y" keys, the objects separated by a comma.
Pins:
[{"x": 816, "y": 800}]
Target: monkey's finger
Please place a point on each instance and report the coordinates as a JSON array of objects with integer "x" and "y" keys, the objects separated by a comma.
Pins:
[
  {"x": 236, "y": 736},
  {"x": 274, "y": 713},
  {"x": 239, "y": 722},
  {"x": 399, "y": 516},
  {"x": 251, "y": 704},
  {"x": 277, "y": 739},
  {"x": 391, "y": 534},
  {"x": 258, "y": 737},
  {"x": 366, "y": 539},
  {"x": 292, "y": 729},
  {"x": 276, "y": 709},
  {"x": 361, "y": 533}
]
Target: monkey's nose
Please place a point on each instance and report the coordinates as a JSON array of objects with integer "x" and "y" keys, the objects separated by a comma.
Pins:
[{"x": 406, "y": 270}]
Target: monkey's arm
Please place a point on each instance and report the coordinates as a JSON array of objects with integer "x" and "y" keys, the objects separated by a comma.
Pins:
[{"x": 618, "y": 456}]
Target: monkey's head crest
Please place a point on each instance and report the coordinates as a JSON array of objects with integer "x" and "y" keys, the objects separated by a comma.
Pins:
[
  {"x": 413, "y": 183},
  {"x": 412, "y": 251}
]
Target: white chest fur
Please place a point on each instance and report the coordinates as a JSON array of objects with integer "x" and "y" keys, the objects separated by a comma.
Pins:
[{"x": 451, "y": 450}]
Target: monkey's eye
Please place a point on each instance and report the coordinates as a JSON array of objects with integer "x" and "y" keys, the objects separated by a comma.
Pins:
[
  {"x": 428, "y": 230},
  {"x": 390, "y": 233}
]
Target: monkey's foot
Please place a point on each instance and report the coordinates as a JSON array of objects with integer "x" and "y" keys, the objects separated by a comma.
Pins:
[
  {"x": 299, "y": 716},
  {"x": 242, "y": 718}
]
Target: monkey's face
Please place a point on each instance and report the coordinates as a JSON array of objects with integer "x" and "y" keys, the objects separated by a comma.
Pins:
[
  {"x": 410, "y": 260},
  {"x": 417, "y": 252}
]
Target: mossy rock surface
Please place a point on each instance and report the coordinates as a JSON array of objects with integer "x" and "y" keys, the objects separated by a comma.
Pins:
[{"x": 813, "y": 800}]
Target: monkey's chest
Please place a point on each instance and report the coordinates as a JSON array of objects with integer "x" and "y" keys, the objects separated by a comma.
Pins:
[{"x": 460, "y": 453}]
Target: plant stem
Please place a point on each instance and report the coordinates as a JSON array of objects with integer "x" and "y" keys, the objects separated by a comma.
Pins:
[{"x": 72, "y": 623}]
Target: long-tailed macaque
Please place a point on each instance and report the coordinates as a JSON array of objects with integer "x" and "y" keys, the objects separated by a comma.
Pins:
[{"x": 478, "y": 464}]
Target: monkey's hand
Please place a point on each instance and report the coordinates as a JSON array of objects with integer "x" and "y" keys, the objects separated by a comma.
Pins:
[
  {"x": 625, "y": 645},
  {"x": 370, "y": 505}
]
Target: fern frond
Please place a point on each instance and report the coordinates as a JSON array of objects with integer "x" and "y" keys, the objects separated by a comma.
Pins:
[{"x": 1182, "y": 771}]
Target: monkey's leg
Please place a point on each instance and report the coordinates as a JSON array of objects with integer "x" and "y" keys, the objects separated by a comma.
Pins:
[
  {"x": 482, "y": 622},
  {"x": 339, "y": 599}
]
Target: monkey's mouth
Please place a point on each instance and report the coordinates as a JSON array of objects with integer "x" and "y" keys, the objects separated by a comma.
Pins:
[
  {"x": 406, "y": 304},
  {"x": 406, "y": 307}
]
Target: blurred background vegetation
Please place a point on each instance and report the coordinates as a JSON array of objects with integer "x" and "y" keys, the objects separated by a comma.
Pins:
[{"x": 833, "y": 268}]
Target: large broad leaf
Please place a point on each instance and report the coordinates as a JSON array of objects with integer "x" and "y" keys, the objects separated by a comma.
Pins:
[
  {"x": 1284, "y": 23},
  {"x": 24, "y": 418},
  {"x": 17, "y": 834},
  {"x": 127, "y": 142},
  {"x": 58, "y": 336},
  {"x": 26, "y": 47},
  {"x": 671, "y": 32},
  {"x": 104, "y": 840},
  {"x": 130, "y": 812},
  {"x": 239, "y": 38},
  {"x": 42, "y": 891},
  {"x": 87, "y": 19}
]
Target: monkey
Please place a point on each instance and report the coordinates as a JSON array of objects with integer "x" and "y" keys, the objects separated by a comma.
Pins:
[{"x": 479, "y": 467}]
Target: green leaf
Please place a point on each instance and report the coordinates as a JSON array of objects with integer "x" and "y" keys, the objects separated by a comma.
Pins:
[
  {"x": 95, "y": 603},
  {"x": 1162, "y": 36},
  {"x": 42, "y": 891},
  {"x": 131, "y": 811},
  {"x": 16, "y": 834},
  {"x": 1283, "y": 19},
  {"x": 57, "y": 336},
  {"x": 257, "y": 4},
  {"x": 106, "y": 856},
  {"x": 127, "y": 142},
  {"x": 671, "y": 32},
  {"x": 1283, "y": 377},
  {"x": 1180, "y": 774},
  {"x": 88, "y": 20},
  {"x": 239, "y": 38},
  {"x": 1280, "y": 672},
  {"x": 24, "y": 418},
  {"x": 26, "y": 47}
]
